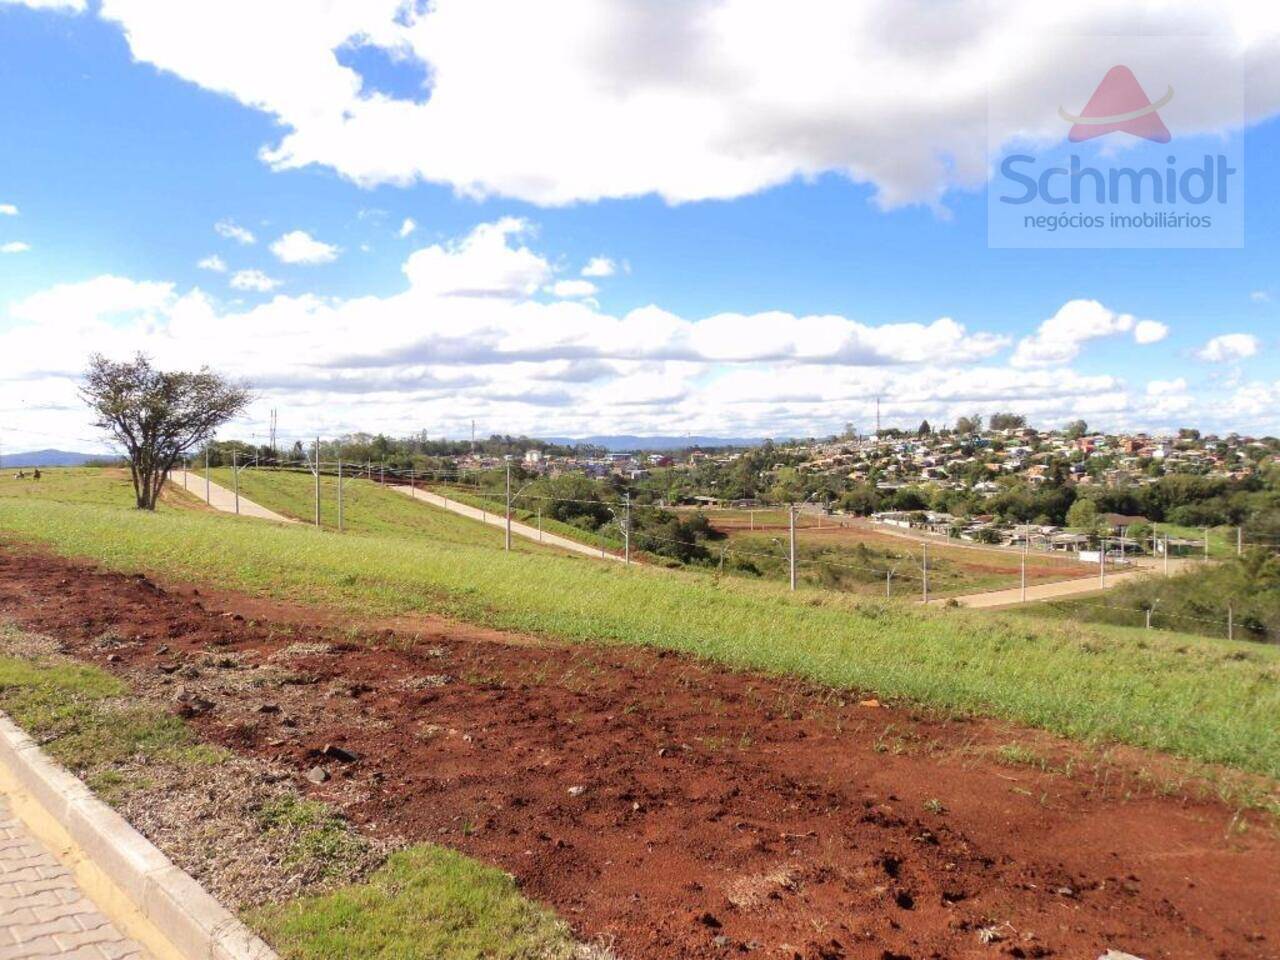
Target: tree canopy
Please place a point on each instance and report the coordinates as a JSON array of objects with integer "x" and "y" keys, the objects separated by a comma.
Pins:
[{"x": 157, "y": 415}]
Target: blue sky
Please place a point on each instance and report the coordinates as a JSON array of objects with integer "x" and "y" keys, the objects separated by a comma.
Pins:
[{"x": 120, "y": 166}]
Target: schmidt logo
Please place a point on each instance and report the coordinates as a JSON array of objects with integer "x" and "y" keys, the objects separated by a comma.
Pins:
[{"x": 1119, "y": 105}]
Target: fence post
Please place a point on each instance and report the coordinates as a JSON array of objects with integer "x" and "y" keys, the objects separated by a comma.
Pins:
[
  {"x": 1239, "y": 541},
  {"x": 626, "y": 534},
  {"x": 317, "y": 483},
  {"x": 208, "y": 498},
  {"x": 507, "y": 538},
  {"x": 1231, "y": 622},
  {"x": 339, "y": 493},
  {"x": 791, "y": 515},
  {"x": 235, "y": 477},
  {"x": 925, "y": 568}
]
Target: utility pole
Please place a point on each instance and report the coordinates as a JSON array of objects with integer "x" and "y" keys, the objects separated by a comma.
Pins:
[
  {"x": 626, "y": 533},
  {"x": 1166, "y": 554},
  {"x": 208, "y": 494},
  {"x": 317, "y": 483},
  {"x": 1206, "y": 543},
  {"x": 1025, "y": 540},
  {"x": 235, "y": 477},
  {"x": 339, "y": 490},
  {"x": 539, "y": 524},
  {"x": 507, "y": 543},
  {"x": 791, "y": 514},
  {"x": 1231, "y": 622},
  {"x": 1102, "y": 562},
  {"x": 925, "y": 578}
]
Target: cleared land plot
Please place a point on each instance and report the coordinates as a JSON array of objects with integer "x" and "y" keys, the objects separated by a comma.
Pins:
[
  {"x": 856, "y": 558},
  {"x": 673, "y": 808}
]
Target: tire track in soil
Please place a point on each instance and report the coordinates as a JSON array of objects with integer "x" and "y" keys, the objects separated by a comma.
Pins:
[{"x": 671, "y": 808}]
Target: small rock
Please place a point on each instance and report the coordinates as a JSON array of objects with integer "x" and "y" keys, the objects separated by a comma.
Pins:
[
  {"x": 577, "y": 791},
  {"x": 1118, "y": 955},
  {"x": 872, "y": 704},
  {"x": 709, "y": 920},
  {"x": 1065, "y": 892},
  {"x": 990, "y": 935},
  {"x": 167, "y": 667},
  {"x": 114, "y": 658},
  {"x": 721, "y": 941},
  {"x": 269, "y": 708},
  {"x": 317, "y": 774}
]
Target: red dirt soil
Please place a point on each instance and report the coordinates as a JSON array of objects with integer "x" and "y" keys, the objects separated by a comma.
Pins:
[{"x": 670, "y": 808}]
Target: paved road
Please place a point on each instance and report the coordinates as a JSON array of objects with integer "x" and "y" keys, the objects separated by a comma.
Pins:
[
  {"x": 220, "y": 498},
  {"x": 42, "y": 911},
  {"x": 496, "y": 520}
]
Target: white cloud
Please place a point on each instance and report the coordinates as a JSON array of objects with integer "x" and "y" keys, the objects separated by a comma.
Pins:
[
  {"x": 408, "y": 227},
  {"x": 254, "y": 280},
  {"x": 1229, "y": 347},
  {"x": 298, "y": 246},
  {"x": 15, "y": 246},
  {"x": 1164, "y": 388},
  {"x": 470, "y": 335},
  {"x": 573, "y": 288},
  {"x": 1060, "y": 338},
  {"x": 8, "y": 210},
  {"x": 66, "y": 6},
  {"x": 567, "y": 101},
  {"x": 599, "y": 267},
  {"x": 1149, "y": 331},
  {"x": 1260, "y": 296},
  {"x": 233, "y": 231},
  {"x": 213, "y": 262}
]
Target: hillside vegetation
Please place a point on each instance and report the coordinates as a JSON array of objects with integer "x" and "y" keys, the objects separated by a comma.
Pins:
[{"x": 1209, "y": 700}]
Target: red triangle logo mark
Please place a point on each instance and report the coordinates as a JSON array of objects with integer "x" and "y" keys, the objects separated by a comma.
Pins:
[{"x": 1119, "y": 105}]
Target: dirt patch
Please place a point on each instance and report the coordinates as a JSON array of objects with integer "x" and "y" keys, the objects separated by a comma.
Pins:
[{"x": 673, "y": 809}]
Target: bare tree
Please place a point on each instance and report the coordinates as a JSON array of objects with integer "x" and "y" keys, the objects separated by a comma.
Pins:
[{"x": 157, "y": 416}]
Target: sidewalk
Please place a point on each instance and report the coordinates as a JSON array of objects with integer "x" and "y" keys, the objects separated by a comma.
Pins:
[
  {"x": 518, "y": 529},
  {"x": 220, "y": 498},
  {"x": 43, "y": 913}
]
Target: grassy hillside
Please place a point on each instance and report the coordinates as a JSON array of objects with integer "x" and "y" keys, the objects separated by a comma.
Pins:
[
  {"x": 1204, "y": 699},
  {"x": 104, "y": 485},
  {"x": 367, "y": 507}
]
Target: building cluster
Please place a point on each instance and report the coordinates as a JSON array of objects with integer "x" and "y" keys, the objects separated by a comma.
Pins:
[{"x": 978, "y": 462}]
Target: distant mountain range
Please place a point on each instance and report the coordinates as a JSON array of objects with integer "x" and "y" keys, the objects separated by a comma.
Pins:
[
  {"x": 47, "y": 458},
  {"x": 619, "y": 443}
]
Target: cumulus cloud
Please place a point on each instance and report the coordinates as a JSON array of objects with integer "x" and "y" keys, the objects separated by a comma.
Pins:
[
  {"x": 570, "y": 289},
  {"x": 214, "y": 263},
  {"x": 599, "y": 267},
  {"x": 298, "y": 246},
  {"x": 66, "y": 6},
  {"x": 15, "y": 246},
  {"x": 8, "y": 210},
  {"x": 1164, "y": 388},
  {"x": 470, "y": 334},
  {"x": 254, "y": 280},
  {"x": 1060, "y": 338},
  {"x": 407, "y": 227},
  {"x": 1229, "y": 347},
  {"x": 1260, "y": 296},
  {"x": 230, "y": 230},
  {"x": 1149, "y": 331},
  {"x": 566, "y": 102}
]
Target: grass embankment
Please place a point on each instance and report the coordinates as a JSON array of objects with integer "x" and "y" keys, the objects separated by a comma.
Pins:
[
  {"x": 611, "y": 539},
  {"x": 104, "y": 485},
  {"x": 1208, "y": 700},
  {"x": 425, "y": 903},
  {"x": 367, "y": 507}
]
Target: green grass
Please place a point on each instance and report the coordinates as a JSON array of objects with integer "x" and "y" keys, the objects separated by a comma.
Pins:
[
  {"x": 81, "y": 715},
  {"x": 104, "y": 485},
  {"x": 1222, "y": 540},
  {"x": 425, "y": 902},
  {"x": 367, "y": 507},
  {"x": 1208, "y": 700},
  {"x": 530, "y": 515}
]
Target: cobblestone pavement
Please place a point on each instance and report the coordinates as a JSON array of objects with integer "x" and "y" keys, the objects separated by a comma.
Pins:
[{"x": 42, "y": 911}]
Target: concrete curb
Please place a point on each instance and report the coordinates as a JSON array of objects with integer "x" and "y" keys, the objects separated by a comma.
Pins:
[{"x": 171, "y": 914}]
